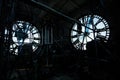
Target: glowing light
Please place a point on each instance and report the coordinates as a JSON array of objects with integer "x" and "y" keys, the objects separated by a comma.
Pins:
[
  {"x": 24, "y": 33},
  {"x": 93, "y": 27}
]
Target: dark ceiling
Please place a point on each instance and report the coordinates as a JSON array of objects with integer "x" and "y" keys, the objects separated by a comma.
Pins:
[
  {"x": 68, "y": 7},
  {"x": 44, "y": 8}
]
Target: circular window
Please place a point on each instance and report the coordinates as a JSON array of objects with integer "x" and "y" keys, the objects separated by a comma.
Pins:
[
  {"x": 93, "y": 27},
  {"x": 24, "y": 33}
]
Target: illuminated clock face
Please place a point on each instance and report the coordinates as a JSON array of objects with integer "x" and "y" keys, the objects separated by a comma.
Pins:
[
  {"x": 24, "y": 33},
  {"x": 93, "y": 27}
]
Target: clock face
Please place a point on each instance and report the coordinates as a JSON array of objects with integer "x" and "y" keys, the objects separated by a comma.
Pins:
[
  {"x": 24, "y": 33},
  {"x": 93, "y": 27}
]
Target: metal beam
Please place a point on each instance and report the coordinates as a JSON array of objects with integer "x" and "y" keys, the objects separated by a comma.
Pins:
[{"x": 59, "y": 13}]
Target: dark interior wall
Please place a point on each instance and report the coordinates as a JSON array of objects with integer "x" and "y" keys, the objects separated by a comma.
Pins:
[
  {"x": 64, "y": 57},
  {"x": 62, "y": 26}
]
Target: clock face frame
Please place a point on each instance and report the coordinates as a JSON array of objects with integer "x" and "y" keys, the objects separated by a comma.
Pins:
[
  {"x": 93, "y": 27},
  {"x": 24, "y": 33}
]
